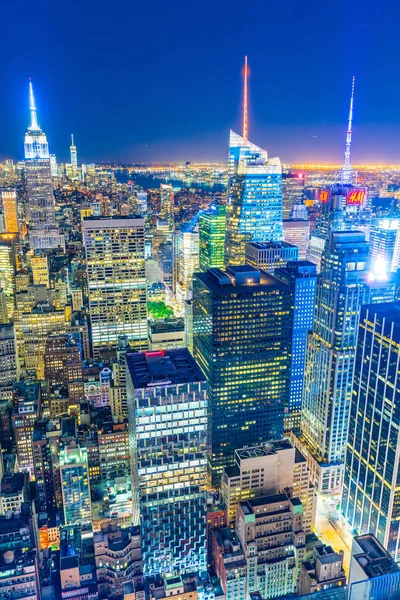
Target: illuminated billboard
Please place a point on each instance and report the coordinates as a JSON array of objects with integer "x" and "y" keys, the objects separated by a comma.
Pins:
[
  {"x": 323, "y": 196},
  {"x": 355, "y": 197}
]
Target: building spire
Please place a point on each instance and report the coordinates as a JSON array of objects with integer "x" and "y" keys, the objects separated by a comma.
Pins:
[
  {"x": 346, "y": 171},
  {"x": 34, "y": 125},
  {"x": 245, "y": 103},
  {"x": 72, "y": 139}
]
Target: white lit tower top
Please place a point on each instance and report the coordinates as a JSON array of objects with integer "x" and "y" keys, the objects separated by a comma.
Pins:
[
  {"x": 73, "y": 152},
  {"x": 347, "y": 175},
  {"x": 36, "y": 145}
]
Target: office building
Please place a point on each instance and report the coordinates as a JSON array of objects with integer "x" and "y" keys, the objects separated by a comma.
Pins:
[
  {"x": 167, "y": 204},
  {"x": 141, "y": 203},
  {"x": 342, "y": 288},
  {"x": 40, "y": 269},
  {"x": 74, "y": 476},
  {"x": 118, "y": 558},
  {"x": 13, "y": 492},
  {"x": 185, "y": 263},
  {"x": 43, "y": 228},
  {"x": 10, "y": 210},
  {"x": 167, "y": 412},
  {"x": 43, "y": 467},
  {"x": 167, "y": 334},
  {"x": 297, "y": 233},
  {"x": 115, "y": 252},
  {"x": 53, "y": 166},
  {"x": 270, "y": 255},
  {"x": 229, "y": 563},
  {"x": 3, "y": 308},
  {"x": 254, "y": 208},
  {"x": 7, "y": 270},
  {"x": 242, "y": 328},
  {"x": 9, "y": 363},
  {"x": 270, "y": 530},
  {"x": 118, "y": 396},
  {"x": 212, "y": 227},
  {"x": 292, "y": 192},
  {"x": 37, "y": 325},
  {"x": 322, "y": 572},
  {"x": 275, "y": 467},
  {"x": 27, "y": 407},
  {"x": 370, "y": 490},
  {"x": 385, "y": 243},
  {"x": 302, "y": 278},
  {"x": 113, "y": 442}
]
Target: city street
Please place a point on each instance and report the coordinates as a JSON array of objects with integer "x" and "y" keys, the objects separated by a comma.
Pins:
[{"x": 328, "y": 529}]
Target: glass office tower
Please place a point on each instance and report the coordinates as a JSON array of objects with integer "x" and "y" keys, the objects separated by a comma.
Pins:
[
  {"x": 254, "y": 209},
  {"x": 242, "y": 323},
  {"x": 345, "y": 284},
  {"x": 212, "y": 226},
  {"x": 302, "y": 278},
  {"x": 371, "y": 490},
  {"x": 167, "y": 413},
  {"x": 75, "y": 484}
]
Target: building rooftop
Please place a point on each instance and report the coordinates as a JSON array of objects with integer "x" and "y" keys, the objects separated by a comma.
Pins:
[
  {"x": 272, "y": 245},
  {"x": 166, "y": 325},
  {"x": 373, "y": 558},
  {"x": 267, "y": 449},
  {"x": 163, "y": 367},
  {"x": 239, "y": 280}
]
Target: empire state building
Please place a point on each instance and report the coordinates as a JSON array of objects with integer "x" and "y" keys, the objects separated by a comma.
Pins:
[{"x": 43, "y": 228}]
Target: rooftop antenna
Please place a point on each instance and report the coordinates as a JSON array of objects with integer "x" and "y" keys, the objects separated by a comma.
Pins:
[
  {"x": 347, "y": 170},
  {"x": 245, "y": 103},
  {"x": 34, "y": 125}
]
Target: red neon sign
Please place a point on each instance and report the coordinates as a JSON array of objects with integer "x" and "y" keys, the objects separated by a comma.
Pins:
[
  {"x": 355, "y": 197},
  {"x": 323, "y": 196}
]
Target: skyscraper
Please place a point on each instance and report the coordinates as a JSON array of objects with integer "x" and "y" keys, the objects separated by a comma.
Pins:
[
  {"x": 73, "y": 153},
  {"x": 43, "y": 231},
  {"x": 75, "y": 484},
  {"x": 167, "y": 412},
  {"x": 9, "y": 363},
  {"x": 270, "y": 255},
  {"x": 10, "y": 210},
  {"x": 116, "y": 280},
  {"x": 292, "y": 192},
  {"x": 371, "y": 493},
  {"x": 185, "y": 262},
  {"x": 385, "y": 243},
  {"x": 212, "y": 226},
  {"x": 302, "y": 278},
  {"x": 167, "y": 204},
  {"x": 254, "y": 209},
  {"x": 342, "y": 288},
  {"x": 242, "y": 321}
]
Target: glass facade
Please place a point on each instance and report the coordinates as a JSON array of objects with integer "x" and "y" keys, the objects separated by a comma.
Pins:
[
  {"x": 167, "y": 412},
  {"x": 371, "y": 491},
  {"x": 254, "y": 209},
  {"x": 212, "y": 226},
  {"x": 242, "y": 324},
  {"x": 75, "y": 485}
]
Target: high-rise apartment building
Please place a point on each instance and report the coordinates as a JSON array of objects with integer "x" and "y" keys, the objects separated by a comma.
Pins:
[
  {"x": 167, "y": 412},
  {"x": 254, "y": 209},
  {"x": 7, "y": 270},
  {"x": 43, "y": 231},
  {"x": 343, "y": 286},
  {"x": 302, "y": 278},
  {"x": 371, "y": 493},
  {"x": 292, "y": 192},
  {"x": 10, "y": 210},
  {"x": 40, "y": 269},
  {"x": 167, "y": 204},
  {"x": 212, "y": 227},
  {"x": 185, "y": 263},
  {"x": 9, "y": 363},
  {"x": 229, "y": 563},
  {"x": 75, "y": 484},
  {"x": 27, "y": 407},
  {"x": 116, "y": 281},
  {"x": 270, "y": 255},
  {"x": 43, "y": 468},
  {"x": 242, "y": 327}
]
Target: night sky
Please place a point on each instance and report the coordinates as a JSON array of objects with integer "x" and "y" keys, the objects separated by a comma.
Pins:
[{"x": 157, "y": 81}]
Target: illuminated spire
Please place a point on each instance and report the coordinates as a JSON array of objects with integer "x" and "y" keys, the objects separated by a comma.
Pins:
[
  {"x": 347, "y": 170},
  {"x": 245, "y": 103},
  {"x": 72, "y": 139},
  {"x": 34, "y": 125}
]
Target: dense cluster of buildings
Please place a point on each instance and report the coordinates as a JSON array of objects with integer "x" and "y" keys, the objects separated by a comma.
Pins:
[{"x": 180, "y": 381}]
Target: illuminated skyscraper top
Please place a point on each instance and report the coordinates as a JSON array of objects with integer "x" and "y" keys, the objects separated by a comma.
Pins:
[
  {"x": 347, "y": 175},
  {"x": 73, "y": 152},
  {"x": 36, "y": 145}
]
